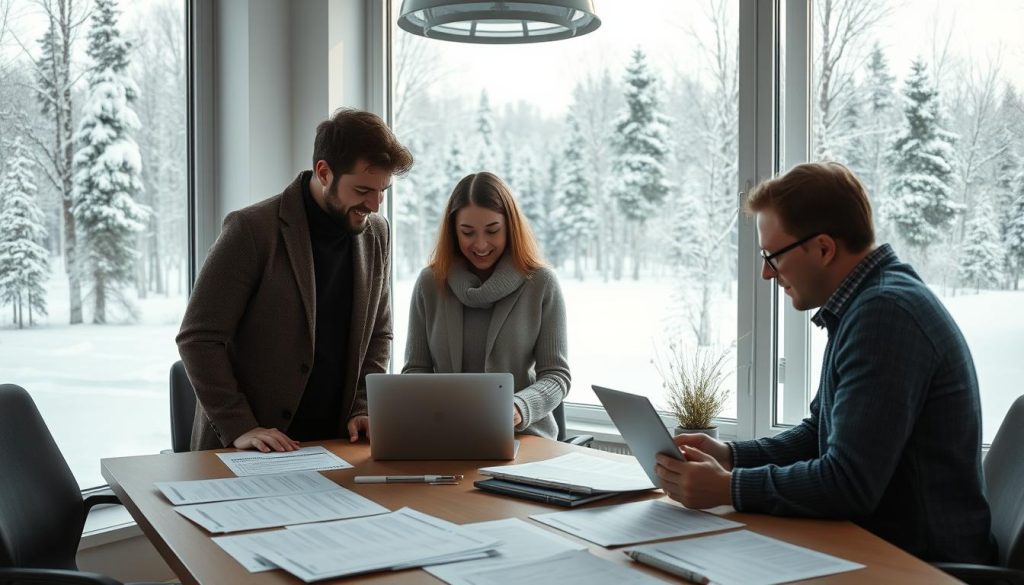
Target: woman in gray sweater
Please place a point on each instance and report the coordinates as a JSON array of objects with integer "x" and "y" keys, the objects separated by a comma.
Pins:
[{"x": 488, "y": 303}]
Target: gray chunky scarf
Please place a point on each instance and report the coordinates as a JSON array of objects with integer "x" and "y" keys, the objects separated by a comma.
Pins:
[{"x": 467, "y": 287}]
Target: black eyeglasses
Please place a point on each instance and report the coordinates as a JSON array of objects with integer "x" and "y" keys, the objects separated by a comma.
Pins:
[{"x": 769, "y": 259}]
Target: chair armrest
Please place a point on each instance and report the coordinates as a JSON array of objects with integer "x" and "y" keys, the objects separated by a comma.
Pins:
[
  {"x": 982, "y": 574},
  {"x": 581, "y": 440},
  {"x": 105, "y": 497},
  {"x": 52, "y": 577}
]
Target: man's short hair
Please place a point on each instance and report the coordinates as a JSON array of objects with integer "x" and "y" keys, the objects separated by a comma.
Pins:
[
  {"x": 818, "y": 197},
  {"x": 350, "y": 135}
]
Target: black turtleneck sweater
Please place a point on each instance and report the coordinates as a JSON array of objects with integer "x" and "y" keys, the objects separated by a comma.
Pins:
[{"x": 320, "y": 410}]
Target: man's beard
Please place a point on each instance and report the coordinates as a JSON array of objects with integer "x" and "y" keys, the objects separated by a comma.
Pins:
[{"x": 343, "y": 216}]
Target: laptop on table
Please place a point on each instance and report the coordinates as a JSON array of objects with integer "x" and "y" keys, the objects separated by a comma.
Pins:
[{"x": 440, "y": 416}]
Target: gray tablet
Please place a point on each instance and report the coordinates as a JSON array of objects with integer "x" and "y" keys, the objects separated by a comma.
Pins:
[{"x": 640, "y": 426}]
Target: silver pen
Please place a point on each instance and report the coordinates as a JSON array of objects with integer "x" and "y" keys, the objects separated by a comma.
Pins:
[{"x": 432, "y": 479}]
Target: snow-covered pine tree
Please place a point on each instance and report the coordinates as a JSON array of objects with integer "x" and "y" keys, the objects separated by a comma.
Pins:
[
  {"x": 981, "y": 256},
  {"x": 487, "y": 157},
  {"x": 525, "y": 180},
  {"x": 641, "y": 148},
  {"x": 1009, "y": 182},
  {"x": 454, "y": 170},
  {"x": 574, "y": 218},
  {"x": 24, "y": 263},
  {"x": 921, "y": 206},
  {"x": 543, "y": 224},
  {"x": 882, "y": 116},
  {"x": 108, "y": 164},
  {"x": 850, "y": 148},
  {"x": 1013, "y": 236}
]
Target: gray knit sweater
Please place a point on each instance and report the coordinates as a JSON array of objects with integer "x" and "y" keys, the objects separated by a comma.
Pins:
[{"x": 526, "y": 336}]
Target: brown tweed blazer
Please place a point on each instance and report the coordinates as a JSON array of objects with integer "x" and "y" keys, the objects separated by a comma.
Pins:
[{"x": 248, "y": 332}]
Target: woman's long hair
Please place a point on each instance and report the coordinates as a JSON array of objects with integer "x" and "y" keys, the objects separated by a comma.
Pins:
[{"x": 485, "y": 190}]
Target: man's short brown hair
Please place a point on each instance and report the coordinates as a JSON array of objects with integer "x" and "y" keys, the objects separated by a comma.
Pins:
[
  {"x": 818, "y": 197},
  {"x": 350, "y": 135}
]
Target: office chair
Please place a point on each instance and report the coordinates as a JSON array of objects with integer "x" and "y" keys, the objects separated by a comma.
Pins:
[
  {"x": 52, "y": 577},
  {"x": 183, "y": 408},
  {"x": 582, "y": 440},
  {"x": 1004, "y": 484},
  {"x": 41, "y": 508}
]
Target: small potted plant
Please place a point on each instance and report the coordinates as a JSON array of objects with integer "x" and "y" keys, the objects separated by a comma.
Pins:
[{"x": 693, "y": 387}]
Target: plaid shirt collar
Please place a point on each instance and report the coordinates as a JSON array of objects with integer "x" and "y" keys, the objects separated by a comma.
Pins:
[{"x": 833, "y": 309}]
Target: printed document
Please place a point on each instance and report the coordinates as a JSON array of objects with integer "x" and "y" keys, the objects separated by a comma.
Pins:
[
  {"x": 233, "y": 516},
  {"x": 520, "y": 542},
  {"x": 244, "y": 463},
  {"x": 401, "y": 539},
  {"x": 570, "y": 568},
  {"x": 634, "y": 522},
  {"x": 239, "y": 488},
  {"x": 740, "y": 558},
  {"x": 243, "y": 549},
  {"x": 577, "y": 472}
]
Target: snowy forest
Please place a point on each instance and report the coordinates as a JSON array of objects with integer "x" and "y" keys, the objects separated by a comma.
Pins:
[
  {"x": 92, "y": 158},
  {"x": 637, "y": 179}
]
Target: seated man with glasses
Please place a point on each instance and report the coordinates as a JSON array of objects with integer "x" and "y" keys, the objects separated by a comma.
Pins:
[{"x": 893, "y": 441}]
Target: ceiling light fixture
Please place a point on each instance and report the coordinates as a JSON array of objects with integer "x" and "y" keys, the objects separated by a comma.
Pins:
[{"x": 498, "y": 23}]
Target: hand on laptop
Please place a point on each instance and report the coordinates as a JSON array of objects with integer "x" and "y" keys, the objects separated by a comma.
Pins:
[
  {"x": 265, "y": 440},
  {"x": 358, "y": 424},
  {"x": 717, "y": 449},
  {"x": 517, "y": 417}
]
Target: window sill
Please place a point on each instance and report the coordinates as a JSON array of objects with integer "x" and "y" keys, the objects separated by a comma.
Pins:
[
  {"x": 108, "y": 524},
  {"x": 591, "y": 420}
]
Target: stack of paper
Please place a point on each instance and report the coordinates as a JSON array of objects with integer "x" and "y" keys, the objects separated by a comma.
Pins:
[
  {"x": 520, "y": 543},
  {"x": 266, "y": 501},
  {"x": 739, "y": 558},
  {"x": 399, "y": 540},
  {"x": 634, "y": 522},
  {"x": 318, "y": 458},
  {"x": 577, "y": 472},
  {"x": 569, "y": 568}
]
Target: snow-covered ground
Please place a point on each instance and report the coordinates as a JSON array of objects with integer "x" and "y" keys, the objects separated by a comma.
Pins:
[{"x": 103, "y": 389}]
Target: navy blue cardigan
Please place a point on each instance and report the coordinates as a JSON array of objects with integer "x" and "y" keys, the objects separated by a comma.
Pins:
[{"x": 893, "y": 439}]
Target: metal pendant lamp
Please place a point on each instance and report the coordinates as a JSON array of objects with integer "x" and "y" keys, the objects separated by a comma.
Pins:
[{"x": 498, "y": 23}]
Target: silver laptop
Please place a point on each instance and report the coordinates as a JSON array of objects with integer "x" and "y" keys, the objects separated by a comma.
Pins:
[{"x": 440, "y": 416}]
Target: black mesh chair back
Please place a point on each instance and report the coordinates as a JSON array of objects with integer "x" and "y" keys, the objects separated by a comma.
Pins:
[
  {"x": 183, "y": 408},
  {"x": 581, "y": 440},
  {"x": 1004, "y": 479},
  {"x": 559, "y": 414},
  {"x": 41, "y": 507}
]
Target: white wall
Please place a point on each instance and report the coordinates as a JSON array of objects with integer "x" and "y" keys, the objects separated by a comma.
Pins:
[{"x": 278, "y": 69}]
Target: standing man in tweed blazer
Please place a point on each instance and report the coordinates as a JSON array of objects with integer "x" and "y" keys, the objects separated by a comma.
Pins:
[
  {"x": 893, "y": 441},
  {"x": 293, "y": 308}
]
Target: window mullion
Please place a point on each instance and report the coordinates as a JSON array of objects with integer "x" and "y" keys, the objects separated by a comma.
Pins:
[
  {"x": 795, "y": 129},
  {"x": 755, "y": 345}
]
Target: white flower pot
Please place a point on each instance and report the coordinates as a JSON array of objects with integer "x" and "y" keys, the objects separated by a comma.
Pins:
[{"x": 711, "y": 432}]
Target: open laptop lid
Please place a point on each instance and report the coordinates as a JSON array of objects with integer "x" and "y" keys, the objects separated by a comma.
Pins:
[
  {"x": 640, "y": 426},
  {"x": 441, "y": 416}
]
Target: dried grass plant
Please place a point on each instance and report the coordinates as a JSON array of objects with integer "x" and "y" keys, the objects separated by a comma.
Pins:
[{"x": 692, "y": 380}]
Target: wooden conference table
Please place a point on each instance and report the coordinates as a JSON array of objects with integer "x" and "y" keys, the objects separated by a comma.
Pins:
[{"x": 188, "y": 550}]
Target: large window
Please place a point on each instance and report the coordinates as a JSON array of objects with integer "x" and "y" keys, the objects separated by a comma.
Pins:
[
  {"x": 936, "y": 130},
  {"x": 93, "y": 218},
  {"x": 933, "y": 122},
  {"x": 622, "y": 148}
]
